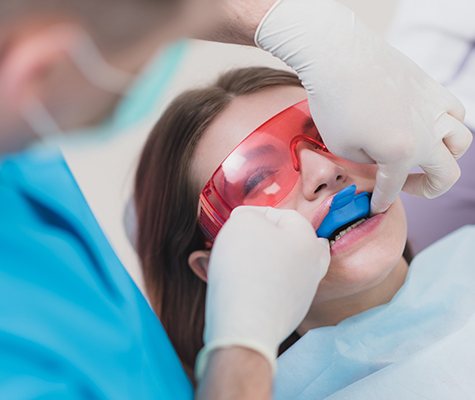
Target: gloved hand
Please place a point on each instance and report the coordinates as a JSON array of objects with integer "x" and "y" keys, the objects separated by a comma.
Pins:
[
  {"x": 263, "y": 274},
  {"x": 370, "y": 102}
]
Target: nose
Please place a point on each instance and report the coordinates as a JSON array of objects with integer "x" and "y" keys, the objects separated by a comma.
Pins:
[{"x": 320, "y": 174}]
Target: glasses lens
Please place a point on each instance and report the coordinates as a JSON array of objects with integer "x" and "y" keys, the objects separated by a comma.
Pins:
[{"x": 262, "y": 170}]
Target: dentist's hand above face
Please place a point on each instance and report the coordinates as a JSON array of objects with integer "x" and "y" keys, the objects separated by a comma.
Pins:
[
  {"x": 370, "y": 102},
  {"x": 263, "y": 274}
]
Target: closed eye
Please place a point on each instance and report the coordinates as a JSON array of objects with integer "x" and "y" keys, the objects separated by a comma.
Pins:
[{"x": 256, "y": 178}]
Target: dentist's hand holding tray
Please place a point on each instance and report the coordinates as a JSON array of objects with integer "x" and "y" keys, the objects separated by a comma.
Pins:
[{"x": 384, "y": 109}]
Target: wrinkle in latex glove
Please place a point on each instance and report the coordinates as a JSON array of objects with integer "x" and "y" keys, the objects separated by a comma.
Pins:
[{"x": 370, "y": 102}]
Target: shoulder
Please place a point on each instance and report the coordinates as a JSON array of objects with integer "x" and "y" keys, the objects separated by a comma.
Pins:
[
  {"x": 57, "y": 270},
  {"x": 46, "y": 222},
  {"x": 57, "y": 283},
  {"x": 71, "y": 320}
]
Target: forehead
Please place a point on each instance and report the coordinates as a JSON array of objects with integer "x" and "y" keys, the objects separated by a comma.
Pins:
[{"x": 242, "y": 116}]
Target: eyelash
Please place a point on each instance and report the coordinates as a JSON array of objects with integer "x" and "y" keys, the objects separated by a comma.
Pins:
[{"x": 255, "y": 179}]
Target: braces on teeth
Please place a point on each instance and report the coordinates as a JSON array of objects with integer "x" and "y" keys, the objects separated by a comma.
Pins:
[{"x": 345, "y": 231}]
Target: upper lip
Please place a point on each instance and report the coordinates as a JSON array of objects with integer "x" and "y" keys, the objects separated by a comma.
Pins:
[{"x": 323, "y": 210}]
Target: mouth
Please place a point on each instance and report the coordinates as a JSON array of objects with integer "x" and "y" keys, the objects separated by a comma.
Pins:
[
  {"x": 322, "y": 212},
  {"x": 343, "y": 230},
  {"x": 334, "y": 219},
  {"x": 358, "y": 235}
]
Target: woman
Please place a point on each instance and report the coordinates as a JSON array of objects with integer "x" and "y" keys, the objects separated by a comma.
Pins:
[{"x": 195, "y": 134}]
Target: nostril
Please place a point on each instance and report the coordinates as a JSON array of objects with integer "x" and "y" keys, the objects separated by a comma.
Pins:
[
  {"x": 339, "y": 177},
  {"x": 320, "y": 187}
]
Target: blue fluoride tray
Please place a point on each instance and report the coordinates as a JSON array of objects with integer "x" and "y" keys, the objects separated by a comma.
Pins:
[{"x": 346, "y": 207}]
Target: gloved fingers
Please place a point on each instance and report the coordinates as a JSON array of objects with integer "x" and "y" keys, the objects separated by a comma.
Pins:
[
  {"x": 390, "y": 179},
  {"x": 247, "y": 209},
  {"x": 441, "y": 172},
  {"x": 269, "y": 214},
  {"x": 456, "y": 136},
  {"x": 455, "y": 107},
  {"x": 283, "y": 218},
  {"x": 289, "y": 219},
  {"x": 249, "y": 218},
  {"x": 325, "y": 243},
  {"x": 355, "y": 154}
]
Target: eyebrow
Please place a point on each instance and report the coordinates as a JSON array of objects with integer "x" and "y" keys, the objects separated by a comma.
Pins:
[{"x": 259, "y": 151}]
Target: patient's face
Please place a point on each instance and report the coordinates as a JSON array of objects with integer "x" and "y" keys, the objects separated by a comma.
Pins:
[{"x": 359, "y": 261}]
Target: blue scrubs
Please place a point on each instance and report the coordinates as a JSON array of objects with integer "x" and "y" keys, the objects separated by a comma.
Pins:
[{"x": 72, "y": 322}]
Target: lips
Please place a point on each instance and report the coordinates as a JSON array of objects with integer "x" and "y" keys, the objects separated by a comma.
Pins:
[
  {"x": 356, "y": 236},
  {"x": 322, "y": 212}
]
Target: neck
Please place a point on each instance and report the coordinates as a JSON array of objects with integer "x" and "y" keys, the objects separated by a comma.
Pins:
[{"x": 334, "y": 311}]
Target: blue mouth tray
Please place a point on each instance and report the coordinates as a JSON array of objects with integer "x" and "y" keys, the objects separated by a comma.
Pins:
[{"x": 345, "y": 208}]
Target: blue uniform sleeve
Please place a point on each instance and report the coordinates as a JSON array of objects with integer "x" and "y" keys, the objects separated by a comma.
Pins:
[{"x": 72, "y": 322}]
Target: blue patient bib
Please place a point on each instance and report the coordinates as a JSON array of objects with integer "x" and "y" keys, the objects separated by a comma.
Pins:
[{"x": 73, "y": 325}]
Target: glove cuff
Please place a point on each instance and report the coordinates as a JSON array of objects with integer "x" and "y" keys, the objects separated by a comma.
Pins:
[
  {"x": 309, "y": 36},
  {"x": 263, "y": 20},
  {"x": 204, "y": 354}
]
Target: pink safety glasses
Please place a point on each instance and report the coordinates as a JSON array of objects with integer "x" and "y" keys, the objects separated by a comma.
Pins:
[{"x": 262, "y": 170}]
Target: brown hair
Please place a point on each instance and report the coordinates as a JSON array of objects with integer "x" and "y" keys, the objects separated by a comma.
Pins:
[{"x": 166, "y": 203}]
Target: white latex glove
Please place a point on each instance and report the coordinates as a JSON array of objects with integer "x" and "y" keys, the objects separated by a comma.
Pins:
[
  {"x": 264, "y": 272},
  {"x": 370, "y": 102}
]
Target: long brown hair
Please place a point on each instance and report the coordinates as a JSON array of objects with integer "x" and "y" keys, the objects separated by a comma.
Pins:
[{"x": 166, "y": 203}]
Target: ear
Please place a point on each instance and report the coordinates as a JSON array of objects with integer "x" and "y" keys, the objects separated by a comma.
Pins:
[
  {"x": 198, "y": 262},
  {"x": 27, "y": 58}
]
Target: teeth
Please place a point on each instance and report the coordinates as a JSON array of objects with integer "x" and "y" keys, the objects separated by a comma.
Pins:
[{"x": 345, "y": 231}]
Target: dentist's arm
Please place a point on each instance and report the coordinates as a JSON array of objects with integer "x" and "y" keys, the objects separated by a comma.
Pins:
[
  {"x": 264, "y": 272},
  {"x": 370, "y": 102},
  {"x": 236, "y": 373}
]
